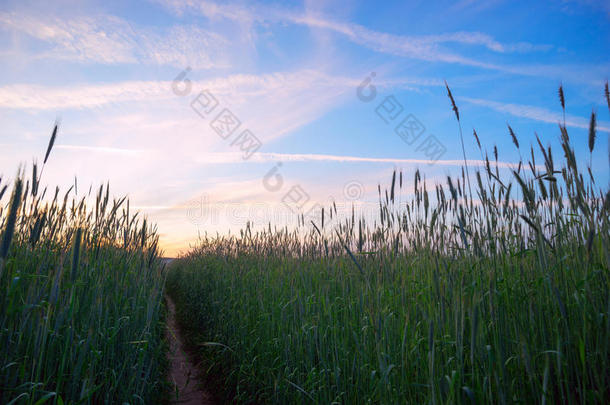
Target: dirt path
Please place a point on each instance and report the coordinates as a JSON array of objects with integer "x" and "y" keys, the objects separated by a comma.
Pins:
[{"x": 183, "y": 373}]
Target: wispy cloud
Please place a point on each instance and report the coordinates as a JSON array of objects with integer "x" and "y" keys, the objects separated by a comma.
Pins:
[
  {"x": 536, "y": 113},
  {"x": 299, "y": 89},
  {"x": 35, "y": 97},
  {"x": 475, "y": 5},
  {"x": 225, "y": 158},
  {"x": 105, "y": 40},
  {"x": 237, "y": 88},
  {"x": 422, "y": 47},
  {"x": 479, "y": 38},
  {"x": 598, "y": 5},
  {"x": 428, "y": 48},
  {"x": 101, "y": 149},
  {"x": 111, "y": 40}
]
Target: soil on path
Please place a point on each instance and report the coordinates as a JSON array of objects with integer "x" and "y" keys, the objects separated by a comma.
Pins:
[{"x": 186, "y": 387}]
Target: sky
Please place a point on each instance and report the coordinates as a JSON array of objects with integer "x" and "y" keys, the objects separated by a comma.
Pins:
[{"x": 211, "y": 114}]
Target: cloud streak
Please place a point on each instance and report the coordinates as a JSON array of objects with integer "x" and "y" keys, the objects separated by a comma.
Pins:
[
  {"x": 101, "y": 149},
  {"x": 535, "y": 113},
  {"x": 230, "y": 158},
  {"x": 237, "y": 89}
]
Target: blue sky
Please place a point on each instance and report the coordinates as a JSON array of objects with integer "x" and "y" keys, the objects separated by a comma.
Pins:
[{"x": 289, "y": 73}]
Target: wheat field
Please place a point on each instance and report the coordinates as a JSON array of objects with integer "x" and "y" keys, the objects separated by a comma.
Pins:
[
  {"x": 490, "y": 288},
  {"x": 81, "y": 303}
]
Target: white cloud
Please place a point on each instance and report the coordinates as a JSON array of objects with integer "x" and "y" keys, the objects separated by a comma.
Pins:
[
  {"x": 36, "y": 97},
  {"x": 423, "y": 47},
  {"x": 101, "y": 149},
  {"x": 106, "y": 40},
  {"x": 235, "y": 88},
  {"x": 430, "y": 48},
  {"x": 262, "y": 157},
  {"x": 111, "y": 40},
  {"x": 536, "y": 113},
  {"x": 270, "y": 105}
]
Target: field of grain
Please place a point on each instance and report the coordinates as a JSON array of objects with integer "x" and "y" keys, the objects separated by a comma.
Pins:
[
  {"x": 490, "y": 288},
  {"x": 346, "y": 202},
  {"x": 80, "y": 308}
]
